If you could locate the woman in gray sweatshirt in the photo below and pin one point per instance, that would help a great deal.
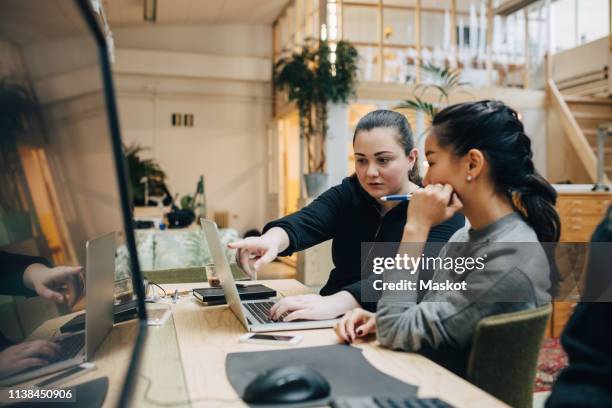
(480, 163)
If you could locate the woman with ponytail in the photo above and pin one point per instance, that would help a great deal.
(480, 163)
(349, 214)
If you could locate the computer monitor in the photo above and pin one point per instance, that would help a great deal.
(63, 176)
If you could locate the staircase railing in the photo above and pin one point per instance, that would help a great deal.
(575, 135)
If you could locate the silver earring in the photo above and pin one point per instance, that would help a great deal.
(469, 178)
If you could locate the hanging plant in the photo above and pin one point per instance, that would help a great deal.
(314, 75)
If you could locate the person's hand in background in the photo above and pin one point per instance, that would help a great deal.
(355, 323)
(62, 284)
(255, 252)
(26, 355)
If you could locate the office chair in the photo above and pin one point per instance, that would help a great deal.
(504, 354)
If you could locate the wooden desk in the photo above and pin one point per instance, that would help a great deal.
(205, 335)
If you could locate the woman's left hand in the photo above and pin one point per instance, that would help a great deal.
(433, 205)
(355, 323)
(305, 307)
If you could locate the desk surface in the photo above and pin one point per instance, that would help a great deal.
(198, 338)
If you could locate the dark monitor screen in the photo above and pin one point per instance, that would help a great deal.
(62, 172)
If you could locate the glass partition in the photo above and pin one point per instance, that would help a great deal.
(60, 188)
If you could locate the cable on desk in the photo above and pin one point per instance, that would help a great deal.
(155, 284)
(185, 402)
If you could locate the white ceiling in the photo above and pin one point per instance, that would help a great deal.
(123, 13)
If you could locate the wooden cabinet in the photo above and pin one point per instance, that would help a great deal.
(580, 214)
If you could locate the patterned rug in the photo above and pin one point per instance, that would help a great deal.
(551, 361)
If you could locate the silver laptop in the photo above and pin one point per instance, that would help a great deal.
(99, 289)
(253, 314)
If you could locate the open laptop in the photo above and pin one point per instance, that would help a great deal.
(253, 314)
(79, 347)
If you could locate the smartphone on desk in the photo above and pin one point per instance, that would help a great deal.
(276, 339)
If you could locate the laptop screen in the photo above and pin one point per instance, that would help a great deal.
(62, 170)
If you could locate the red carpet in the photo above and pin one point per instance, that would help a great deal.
(551, 361)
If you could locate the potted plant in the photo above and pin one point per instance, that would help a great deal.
(16, 219)
(443, 80)
(145, 175)
(315, 75)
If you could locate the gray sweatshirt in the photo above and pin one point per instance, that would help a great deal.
(515, 277)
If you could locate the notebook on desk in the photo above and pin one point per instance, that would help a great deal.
(246, 292)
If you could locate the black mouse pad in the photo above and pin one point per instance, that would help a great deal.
(344, 367)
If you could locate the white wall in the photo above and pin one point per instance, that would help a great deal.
(226, 39)
(534, 121)
(227, 143)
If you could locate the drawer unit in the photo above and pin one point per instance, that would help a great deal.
(580, 214)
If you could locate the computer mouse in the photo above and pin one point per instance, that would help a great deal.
(286, 385)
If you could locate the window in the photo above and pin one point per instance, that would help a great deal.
(592, 20)
(577, 22)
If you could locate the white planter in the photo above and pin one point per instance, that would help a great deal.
(316, 183)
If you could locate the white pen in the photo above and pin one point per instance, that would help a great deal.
(396, 197)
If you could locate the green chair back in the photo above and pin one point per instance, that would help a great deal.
(504, 354)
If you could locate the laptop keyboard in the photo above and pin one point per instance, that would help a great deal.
(388, 402)
(260, 310)
(69, 348)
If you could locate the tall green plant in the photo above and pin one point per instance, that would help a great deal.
(314, 75)
(139, 168)
(443, 80)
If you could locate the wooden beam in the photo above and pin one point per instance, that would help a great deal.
(508, 7)
(453, 34)
(517, 98)
(548, 58)
(341, 19)
(406, 8)
(381, 53)
(526, 69)
(490, 42)
(387, 45)
(323, 18)
(417, 40)
(275, 48)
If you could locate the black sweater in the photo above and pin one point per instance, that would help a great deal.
(347, 214)
(12, 267)
(587, 338)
